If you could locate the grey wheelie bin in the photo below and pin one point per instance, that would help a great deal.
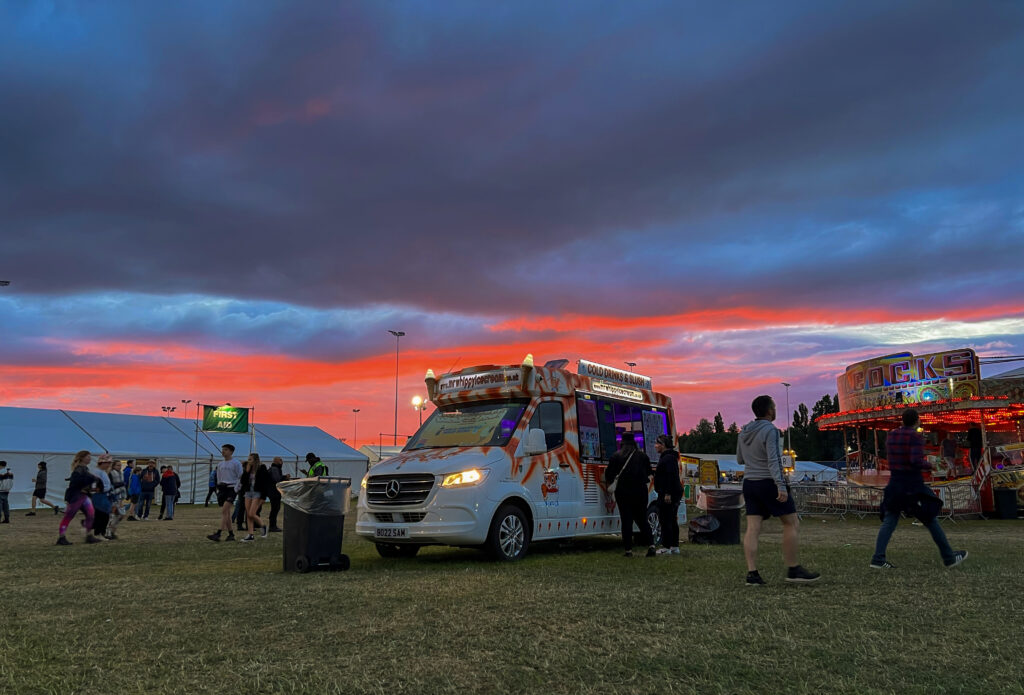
(314, 521)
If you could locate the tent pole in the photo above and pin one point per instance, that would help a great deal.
(195, 456)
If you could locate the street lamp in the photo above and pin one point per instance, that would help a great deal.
(398, 338)
(420, 405)
(789, 416)
(355, 425)
(631, 365)
(168, 409)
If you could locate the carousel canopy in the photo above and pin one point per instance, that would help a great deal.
(998, 414)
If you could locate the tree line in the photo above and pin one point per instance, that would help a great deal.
(809, 443)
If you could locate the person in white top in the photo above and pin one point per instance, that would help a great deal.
(229, 474)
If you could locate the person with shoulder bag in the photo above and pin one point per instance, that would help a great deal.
(627, 476)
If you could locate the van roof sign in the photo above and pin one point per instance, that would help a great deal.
(500, 378)
(618, 376)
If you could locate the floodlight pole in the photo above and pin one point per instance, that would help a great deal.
(398, 337)
(355, 426)
(789, 421)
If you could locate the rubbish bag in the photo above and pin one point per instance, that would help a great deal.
(322, 496)
(701, 529)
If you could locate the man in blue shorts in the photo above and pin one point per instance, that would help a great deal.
(766, 492)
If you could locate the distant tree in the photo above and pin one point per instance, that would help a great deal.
(719, 424)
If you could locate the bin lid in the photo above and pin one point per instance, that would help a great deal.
(321, 496)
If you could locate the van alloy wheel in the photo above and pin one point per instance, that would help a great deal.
(509, 535)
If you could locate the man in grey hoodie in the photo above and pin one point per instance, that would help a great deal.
(766, 492)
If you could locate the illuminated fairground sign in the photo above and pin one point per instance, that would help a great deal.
(906, 378)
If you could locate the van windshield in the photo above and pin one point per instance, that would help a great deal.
(469, 424)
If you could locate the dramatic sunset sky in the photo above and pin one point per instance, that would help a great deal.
(234, 201)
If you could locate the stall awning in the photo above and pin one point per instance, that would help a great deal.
(953, 414)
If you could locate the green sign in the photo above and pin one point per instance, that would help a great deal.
(225, 418)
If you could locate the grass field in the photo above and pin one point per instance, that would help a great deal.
(165, 610)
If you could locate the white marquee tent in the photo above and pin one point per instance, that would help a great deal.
(31, 435)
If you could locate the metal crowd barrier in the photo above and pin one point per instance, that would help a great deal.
(959, 500)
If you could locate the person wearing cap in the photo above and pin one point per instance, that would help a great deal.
(316, 466)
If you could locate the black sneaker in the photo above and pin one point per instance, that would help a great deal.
(30, 513)
(274, 529)
(93, 539)
(754, 579)
(249, 539)
(230, 537)
(629, 553)
(651, 552)
(958, 557)
(264, 531)
(56, 511)
(799, 575)
(214, 536)
(63, 541)
(883, 565)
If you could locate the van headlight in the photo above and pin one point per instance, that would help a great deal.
(471, 477)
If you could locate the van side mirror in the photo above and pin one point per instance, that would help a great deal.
(536, 442)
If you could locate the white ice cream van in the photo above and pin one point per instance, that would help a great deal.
(511, 455)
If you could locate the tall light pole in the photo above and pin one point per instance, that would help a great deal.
(355, 426)
(168, 409)
(789, 416)
(184, 405)
(398, 338)
(420, 405)
(631, 365)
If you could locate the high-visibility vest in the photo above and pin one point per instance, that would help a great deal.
(317, 468)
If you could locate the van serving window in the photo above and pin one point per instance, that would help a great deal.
(603, 421)
(550, 418)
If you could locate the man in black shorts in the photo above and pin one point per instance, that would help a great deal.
(229, 475)
(766, 492)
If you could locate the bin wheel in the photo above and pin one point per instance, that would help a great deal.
(343, 563)
(391, 550)
(302, 564)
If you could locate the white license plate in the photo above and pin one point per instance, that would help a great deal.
(392, 532)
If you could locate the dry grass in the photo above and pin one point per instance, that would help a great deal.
(165, 610)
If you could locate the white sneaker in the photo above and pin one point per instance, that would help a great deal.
(673, 551)
(248, 539)
(664, 551)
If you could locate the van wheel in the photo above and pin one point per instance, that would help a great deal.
(391, 550)
(509, 536)
(655, 522)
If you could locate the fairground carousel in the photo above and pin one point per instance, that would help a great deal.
(972, 428)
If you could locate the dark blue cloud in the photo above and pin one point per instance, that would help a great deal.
(457, 157)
